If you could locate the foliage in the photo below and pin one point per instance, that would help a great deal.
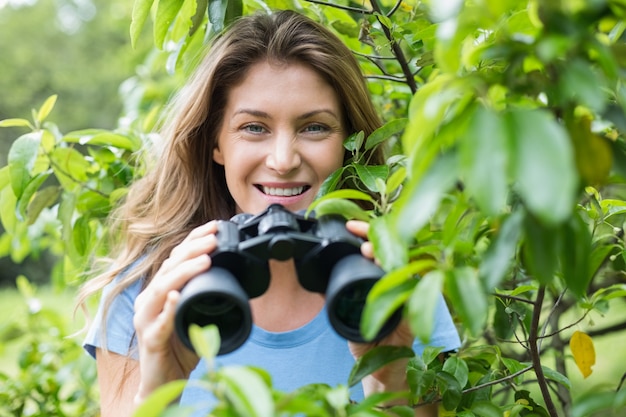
(55, 377)
(505, 191)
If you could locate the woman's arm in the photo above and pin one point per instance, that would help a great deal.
(118, 378)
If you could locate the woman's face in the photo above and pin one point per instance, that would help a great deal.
(281, 136)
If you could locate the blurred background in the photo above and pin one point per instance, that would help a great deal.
(77, 49)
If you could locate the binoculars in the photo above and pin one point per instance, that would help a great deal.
(327, 258)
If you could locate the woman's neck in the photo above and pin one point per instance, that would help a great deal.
(285, 305)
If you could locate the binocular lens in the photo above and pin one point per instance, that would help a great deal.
(350, 303)
(215, 297)
(350, 281)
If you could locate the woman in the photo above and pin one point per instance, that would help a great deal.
(261, 121)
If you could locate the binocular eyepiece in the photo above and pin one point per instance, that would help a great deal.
(327, 257)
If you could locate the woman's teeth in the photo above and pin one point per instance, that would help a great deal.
(283, 192)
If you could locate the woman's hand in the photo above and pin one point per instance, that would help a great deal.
(162, 356)
(393, 376)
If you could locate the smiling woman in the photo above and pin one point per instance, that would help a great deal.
(262, 121)
(270, 143)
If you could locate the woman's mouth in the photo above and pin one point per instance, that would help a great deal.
(283, 191)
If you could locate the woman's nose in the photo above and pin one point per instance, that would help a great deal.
(284, 156)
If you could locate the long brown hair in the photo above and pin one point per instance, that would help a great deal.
(186, 188)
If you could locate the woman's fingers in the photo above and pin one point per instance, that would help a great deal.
(187, 260)
(361, 229)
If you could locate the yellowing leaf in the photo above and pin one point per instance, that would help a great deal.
(583, 351)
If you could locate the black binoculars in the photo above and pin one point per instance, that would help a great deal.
(327, 258)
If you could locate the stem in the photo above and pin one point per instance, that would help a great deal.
(498, 381)
(533, 342)
(397, 51)
(558, 344)
(338, 6)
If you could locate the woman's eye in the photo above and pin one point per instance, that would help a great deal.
(315, 128)
(253, 128)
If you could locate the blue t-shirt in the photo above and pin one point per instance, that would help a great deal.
(313, 353)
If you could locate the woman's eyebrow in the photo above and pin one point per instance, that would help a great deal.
(316, 112)
(253, 112)
(265, 115)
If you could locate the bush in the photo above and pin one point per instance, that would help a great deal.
(54, 377)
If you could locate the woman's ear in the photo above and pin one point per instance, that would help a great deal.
(218, 158)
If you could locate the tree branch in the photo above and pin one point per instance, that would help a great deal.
(535, 354)
(338, 6)
(498, 381)
(397, 51)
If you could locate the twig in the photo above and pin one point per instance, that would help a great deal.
(536, 355)
(545, 325)
(338, 6)
(385, 77)
(513, 298)
(395, 8)
(498, 381)
(397, 51)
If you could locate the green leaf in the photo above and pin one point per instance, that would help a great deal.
(31, 188)
(574, 255)
(450, 390)
(375, 359)
(390, 251)
(66, 215)
(100, 137)
(205, 341)
(197, 19)
(5, 177)
(422, 304)
(428, 109)
(70, 167)
(141, 10)
(247, 391)
(468, 298)
(540, 250)
(222, 12)
(395, 180)
(558, 377)
(47, 107)
(346, 208)
(543, 163)
(165, 14)
(21, 160)
(7, 210)
(484, 154)
(381, 306)
(384, 132)
(354, 141)
(579, 81)
(420, 199)
(500, 255)
(514, 367)
(420, 381)
(160, 399)
(458, 369)
(368, 174)
(44, 198)
(486, 409)
(331, 183)
(15, 123)
(81, 235)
